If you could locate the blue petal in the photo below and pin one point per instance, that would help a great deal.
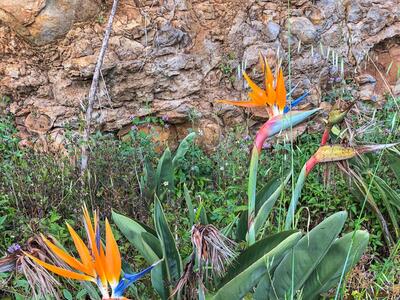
(98, 237)
(295, 102)
(128, 279)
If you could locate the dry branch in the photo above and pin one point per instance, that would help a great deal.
(93, 89)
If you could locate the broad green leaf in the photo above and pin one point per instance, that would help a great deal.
(263, 287)
(153, 242)
(189, 204)
(165, 172)
(133, 232)
(172, 259)
(248, 278)
(295, 198)
(299, 263)
(253, 253)
(183, 148)
(265, 209)
(158, 275)
(268, 189)
(241, 229)
(328, 272)
(148, 182)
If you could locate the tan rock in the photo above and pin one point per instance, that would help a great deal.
(303, 29)
(38, 123)
(175, 58)
(47, 20)
(24, 11)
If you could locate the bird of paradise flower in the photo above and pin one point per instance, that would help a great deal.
(98, 265)
(281, 116)
(274, 99)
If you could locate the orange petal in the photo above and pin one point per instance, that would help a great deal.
(256, 90)
(280, 91)
(239, 103)
(71, 261)
(60, 271)
(98, 265)
(83, 252)
(89, 228)
(102, 257)
(113, 257)
(269, 77)
(271, 95)
(257, 99)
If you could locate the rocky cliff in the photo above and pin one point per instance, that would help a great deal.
(173, 58)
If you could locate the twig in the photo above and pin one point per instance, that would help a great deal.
(93, 89)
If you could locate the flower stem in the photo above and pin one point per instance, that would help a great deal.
(251, 192)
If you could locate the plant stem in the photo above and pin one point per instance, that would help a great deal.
(251, 192)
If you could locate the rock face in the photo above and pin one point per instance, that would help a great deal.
(172, 59)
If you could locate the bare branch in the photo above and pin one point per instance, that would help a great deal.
(93, 89)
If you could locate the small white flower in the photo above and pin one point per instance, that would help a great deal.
(165, 183)
(222, 168)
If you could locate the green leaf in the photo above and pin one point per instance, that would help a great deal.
(268, 189)
(262, 196)
(227, 230)
(244, 281)
(362, 191)
(183, 148)
(253, 253)
(389, 198)
(2, 220)
(148, 182)
(394, 164)
(241, 229)
(189, 204)
(153, 242)
(67, 294)
(81, 294)
(172, 259)
(263, 287)
(18, 296)
(201, 215)
(165, 172)
(158, 278)
(91, 291)
(297, 265)
(391, 194)
(328, 272)
(295, 198)
(265, 209)
(133, 232)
